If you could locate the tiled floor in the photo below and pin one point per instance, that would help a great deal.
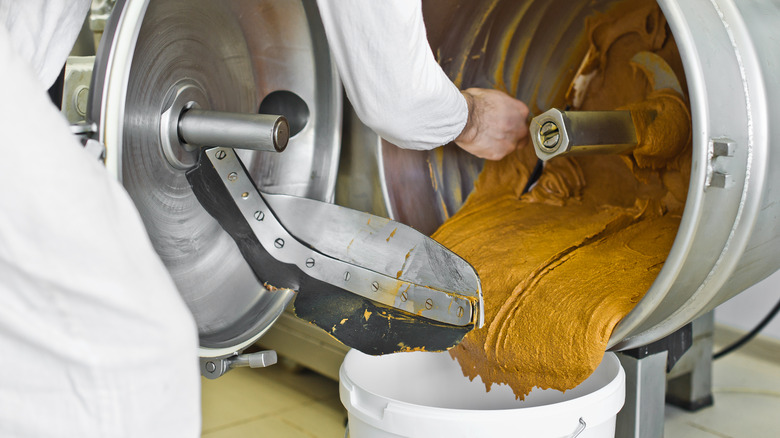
(276, 402)
(272, 402)
(746, 388)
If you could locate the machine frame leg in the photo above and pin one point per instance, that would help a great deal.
(676, 369)
(646, 367)
(689, 384)
(642, 415)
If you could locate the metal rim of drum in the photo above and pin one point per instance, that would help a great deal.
(689, 286)
(108, 97)
(706, 264)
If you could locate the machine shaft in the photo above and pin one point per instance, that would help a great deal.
(556, 133)
(261, 132)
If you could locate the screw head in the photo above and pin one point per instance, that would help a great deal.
(429, 304)
(549, 136)
(232, 176)
(259, 215)
(404, 296)
(220, 155)
(460, 311)
(375, 286)
(310, 262)
(346, 276)
(279, 243)
(211, 367)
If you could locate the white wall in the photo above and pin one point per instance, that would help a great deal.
(748, 308)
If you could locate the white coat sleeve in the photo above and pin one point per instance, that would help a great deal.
(389, 72)
(43, 32)
(96, 340)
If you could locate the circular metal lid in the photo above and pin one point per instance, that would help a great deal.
(229, 56)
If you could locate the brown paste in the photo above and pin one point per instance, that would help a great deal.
(562, 264)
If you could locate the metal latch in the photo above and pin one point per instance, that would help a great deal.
(85, 133)
(213, 367)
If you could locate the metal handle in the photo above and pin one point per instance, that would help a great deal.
(213, 367)
(556, 133)
(261, 132)
(580, 428)
(260, 359)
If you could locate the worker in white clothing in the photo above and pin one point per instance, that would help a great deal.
(95, 339)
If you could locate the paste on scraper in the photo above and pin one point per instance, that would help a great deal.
(562, 264)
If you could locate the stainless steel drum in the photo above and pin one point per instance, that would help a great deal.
(729, 237)
(246, 56)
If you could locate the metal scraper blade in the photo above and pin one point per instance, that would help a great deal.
(373, 284)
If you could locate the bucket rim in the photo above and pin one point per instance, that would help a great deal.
(595, 407)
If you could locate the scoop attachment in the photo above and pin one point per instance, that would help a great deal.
(373, 284)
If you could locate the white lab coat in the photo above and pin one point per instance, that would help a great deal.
(389, 73)
(95, 341)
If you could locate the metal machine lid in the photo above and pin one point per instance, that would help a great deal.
(239, 56)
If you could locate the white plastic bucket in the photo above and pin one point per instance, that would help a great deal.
(425, 395)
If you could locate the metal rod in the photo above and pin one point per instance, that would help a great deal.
(259, 359)
(261, 132)
(556, 133)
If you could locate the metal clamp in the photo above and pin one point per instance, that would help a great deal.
(213, 367)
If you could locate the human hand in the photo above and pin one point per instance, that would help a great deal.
(496, 124)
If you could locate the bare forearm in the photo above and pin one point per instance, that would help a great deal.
(496, 124)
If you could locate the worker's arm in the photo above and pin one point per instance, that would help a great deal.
(102, 343)
(398, 89)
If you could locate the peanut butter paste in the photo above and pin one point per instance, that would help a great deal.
(562, 264)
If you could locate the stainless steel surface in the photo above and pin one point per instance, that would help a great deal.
(181, 96)
(555, 133)
(642, 415)
(231, 55)
(424, 188)
(290, 105)
(364, 254)
(359, 184)
(658, 71)
(257, 132)
(729, 237)
(736, 102)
